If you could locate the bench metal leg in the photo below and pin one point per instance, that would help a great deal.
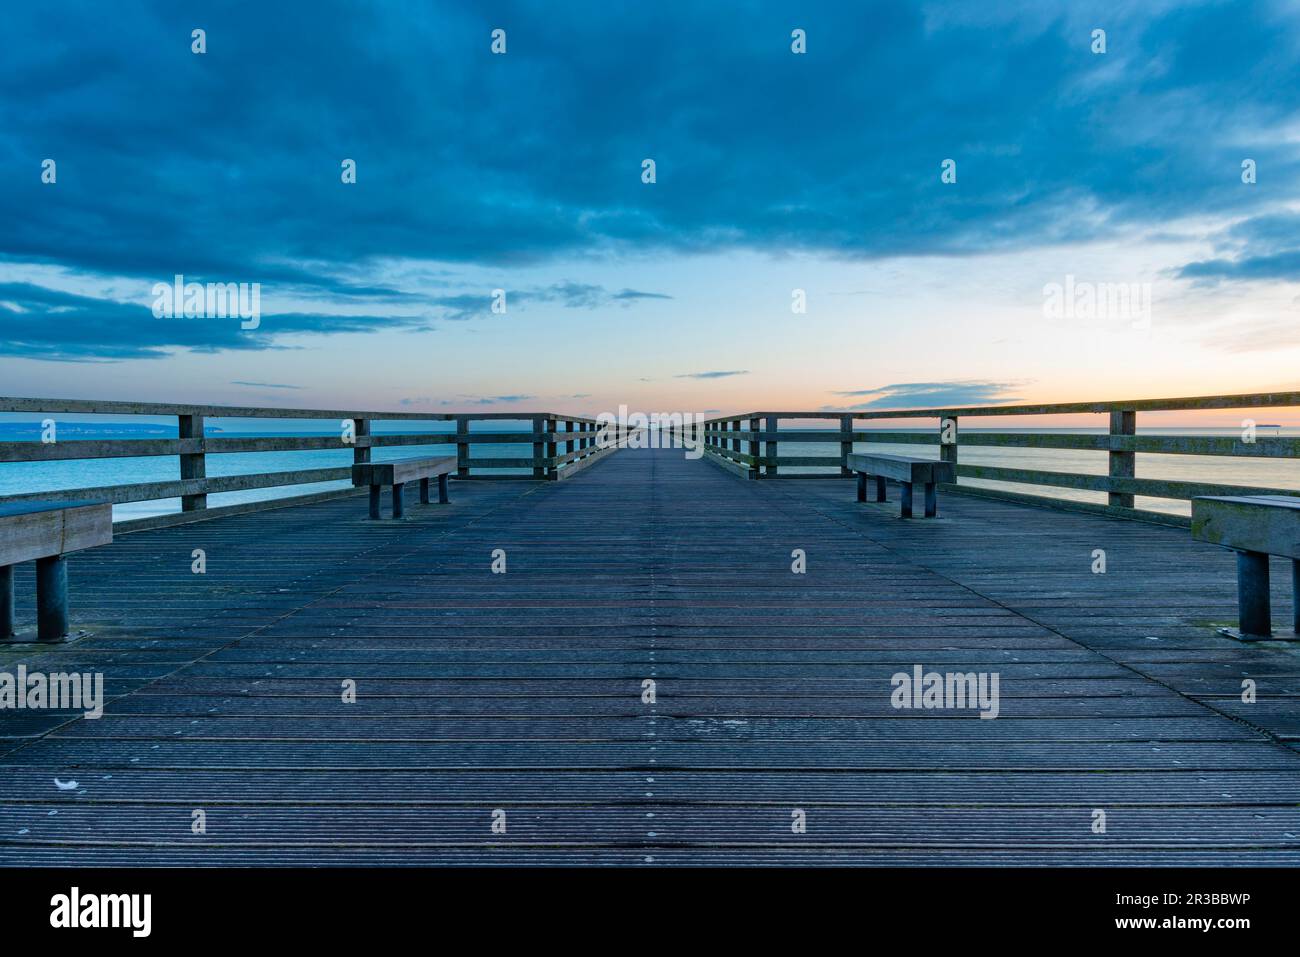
(397, 499)
(374, 502)
(931, 500)
(6, 602)
(51, 598)
(424, 491)
(862, 486)
(1295, 594)
(442, 489)
(880, 488)
(907, 500)
(1252, 595)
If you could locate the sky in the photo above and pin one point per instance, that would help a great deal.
(942, 187)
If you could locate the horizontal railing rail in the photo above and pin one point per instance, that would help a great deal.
(560, 446)
(755, 445)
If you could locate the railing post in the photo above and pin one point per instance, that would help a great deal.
(846, 443)
(539, 448)
(462, 446)
(360, 450)
(551, 470)
(754, 470)
(193, 464)
(769, 447)
(735, 439)
(948, 439)
(1123, 464)
(569, 442)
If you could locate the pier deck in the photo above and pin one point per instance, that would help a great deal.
(523, 691)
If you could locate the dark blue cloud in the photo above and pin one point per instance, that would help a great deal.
(1259, 248)
(41, 323)
(227, 165)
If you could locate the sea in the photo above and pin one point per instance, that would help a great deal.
(23, 477)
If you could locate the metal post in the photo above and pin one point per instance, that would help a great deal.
(880, 488)
(1295, 595)
(1123, 464)
(51, 598)
(907, 500)
(862, 486)
(424, 490)
(6, 602)
(192, 463)
(1252, 595)
(374, 501)
(931, 500)
(397, 499)
(442, 489)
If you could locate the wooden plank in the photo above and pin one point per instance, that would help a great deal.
(902, 468)
(1262, 523)
(402, 470)
(31, 530)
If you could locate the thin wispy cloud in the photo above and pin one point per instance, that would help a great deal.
(721, 374)
(264, 385)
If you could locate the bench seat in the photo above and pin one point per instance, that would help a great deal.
(1255, 527)
(44, 532)
(400, 471)
(906, 471)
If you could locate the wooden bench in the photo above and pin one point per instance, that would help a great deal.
(45, 532)
(1255, 527)
(905, 470)
(400, 471)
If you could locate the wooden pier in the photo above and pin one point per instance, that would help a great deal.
(520, 697)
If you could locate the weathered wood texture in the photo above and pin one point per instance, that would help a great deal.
(901, 468)
(31, 530)
(523, 691)
(1262, 523)
(402, 470)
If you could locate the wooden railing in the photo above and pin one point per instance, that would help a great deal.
(561, 445)
(751, 445)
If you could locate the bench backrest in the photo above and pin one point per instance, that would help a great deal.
(401, 471)
(901, 468)
(1252, 523)
(30, 530)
